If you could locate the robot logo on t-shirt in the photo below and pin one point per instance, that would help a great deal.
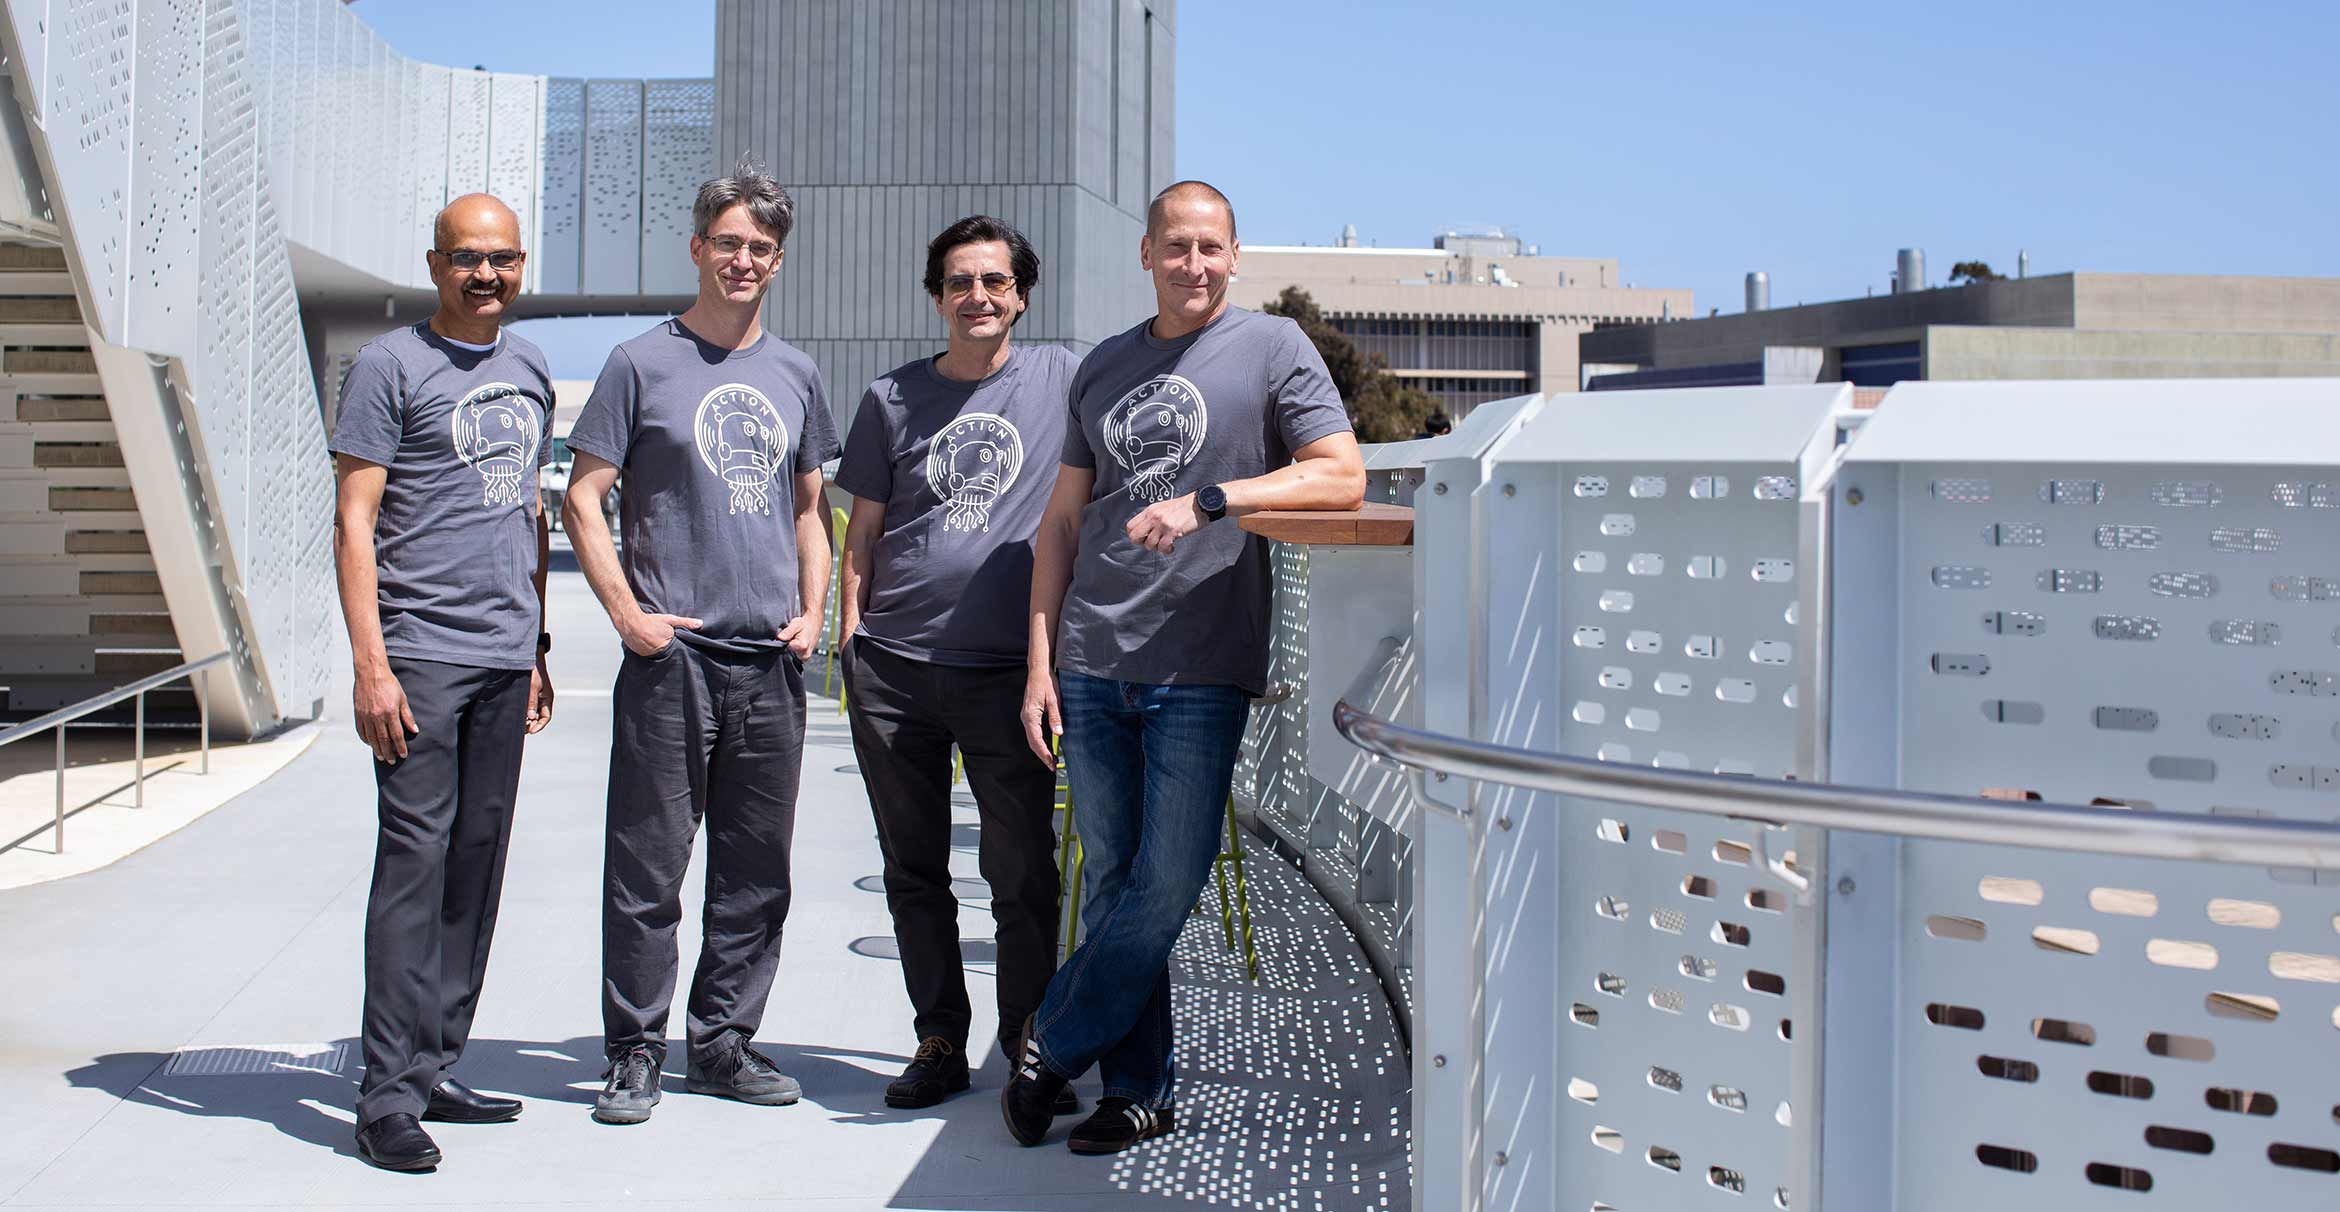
(1154, 432)
(741, 439)
(971, 464)
(496, 429)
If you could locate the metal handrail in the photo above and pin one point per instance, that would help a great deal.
(2109, 831)
(63, 716)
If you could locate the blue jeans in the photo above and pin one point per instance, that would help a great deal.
(1151, 769)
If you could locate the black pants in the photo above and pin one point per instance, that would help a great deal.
(906, 715)
(698, 733)
(446, 819)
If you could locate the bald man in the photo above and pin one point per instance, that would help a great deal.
(440, 544)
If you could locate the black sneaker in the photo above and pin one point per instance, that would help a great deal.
(937, 1072)
(744, 1074)
(1066, 1102)
(1028, 1101)
(631, 1088)
(1119, 1123)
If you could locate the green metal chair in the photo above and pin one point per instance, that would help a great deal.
(831, 641)
(1069, 866)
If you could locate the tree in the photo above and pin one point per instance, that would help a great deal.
(1380, 407)
(1967, 273)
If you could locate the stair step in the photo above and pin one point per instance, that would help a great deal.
(96, 542)
(29, 299)
(80, 520)
(131, 627)
(38, 576)
(52, 409)
(32, 256)
(47, 455)
(62, 614)
(36, 538)
(29, 695)
(53, 384)
(23, 490)
(75, 429)
(95, 583)
(86, 477)
(112, 561)
(52, 336)
(49, 361)
(64, 499)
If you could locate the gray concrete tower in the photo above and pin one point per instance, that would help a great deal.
(889, 121)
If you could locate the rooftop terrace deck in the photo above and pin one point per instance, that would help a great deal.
(241, 931)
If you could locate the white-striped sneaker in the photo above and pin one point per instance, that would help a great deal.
(1119, 1123)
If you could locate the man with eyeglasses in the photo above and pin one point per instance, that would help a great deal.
(720, 431)
(1151, 608)
(950, 460)
(439, 541)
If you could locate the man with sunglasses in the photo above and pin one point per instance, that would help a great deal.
(440, 544)
(950, 461)
(720, 431)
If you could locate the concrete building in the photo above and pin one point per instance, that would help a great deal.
(888, 122)
(2059, 326)
(1476, 317)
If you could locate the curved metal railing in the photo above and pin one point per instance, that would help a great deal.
(2110, 831)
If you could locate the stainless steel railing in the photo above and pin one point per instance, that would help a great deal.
(2109, 831)
(58, 719)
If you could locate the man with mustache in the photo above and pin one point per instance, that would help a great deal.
(720, 431)
(1150, 607)
(950, 460)
(439, 541)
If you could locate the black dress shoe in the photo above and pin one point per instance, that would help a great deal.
(938, 1071)
(455, 1103)
(397, 1142)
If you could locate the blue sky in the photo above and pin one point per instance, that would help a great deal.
(1699, 140)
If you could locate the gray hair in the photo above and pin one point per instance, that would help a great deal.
(750, 186)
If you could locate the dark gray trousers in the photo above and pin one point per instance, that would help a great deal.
(906, 714)
(446, 820)
(698, 733)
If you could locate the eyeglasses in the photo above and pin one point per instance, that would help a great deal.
(958, 285)
(728, 247)
(502, 260)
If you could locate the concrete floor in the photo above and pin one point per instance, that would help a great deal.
(241, 931)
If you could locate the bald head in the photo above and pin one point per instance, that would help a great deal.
(1187, 196)
(477, 217)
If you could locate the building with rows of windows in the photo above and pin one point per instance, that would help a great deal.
(1473, 318)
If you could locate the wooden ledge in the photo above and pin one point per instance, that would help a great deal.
(1376, 525)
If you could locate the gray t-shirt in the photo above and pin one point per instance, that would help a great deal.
(708, 443)
(462, 434)
(1228, 402)
(964, 471)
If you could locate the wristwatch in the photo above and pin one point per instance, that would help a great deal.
(543, 642)
(1212, 501)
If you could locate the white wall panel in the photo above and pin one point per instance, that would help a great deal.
(467, 133)
(515, 127)
(613, 187)
(678, 152)
(160, 303)
(562, 188)
(88, 124)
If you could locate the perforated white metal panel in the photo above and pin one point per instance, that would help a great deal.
(2075, 1031)
(1643, 608)
(88, 125)
(563, 186)
(678, 143)
(613, 187)
(2124, 601)
(161, 302)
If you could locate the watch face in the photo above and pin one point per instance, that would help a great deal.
(1211, 499)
